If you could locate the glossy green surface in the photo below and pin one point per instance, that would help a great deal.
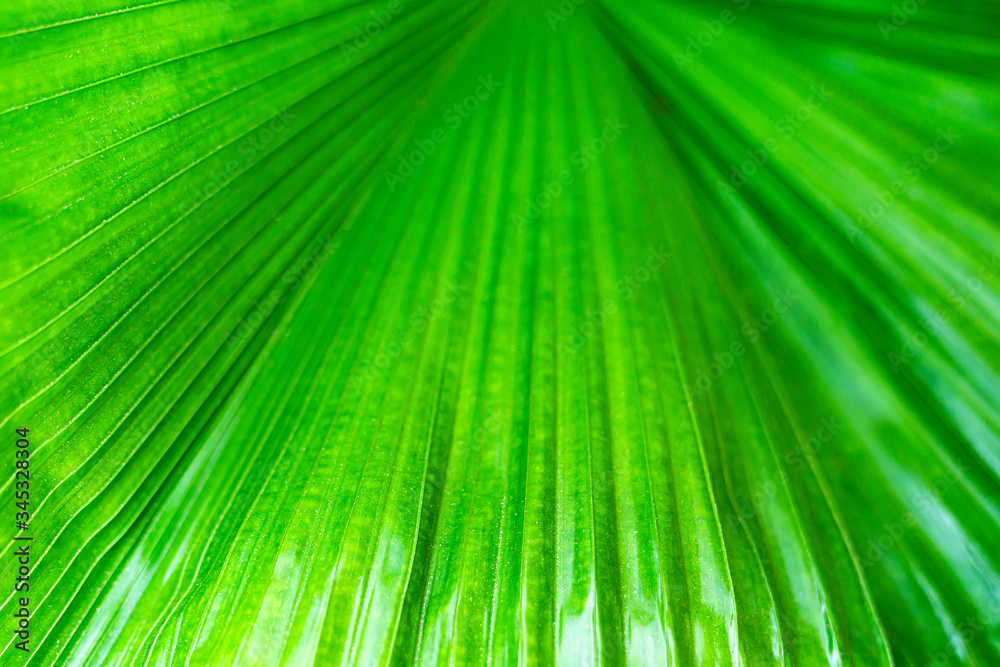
(603, 368)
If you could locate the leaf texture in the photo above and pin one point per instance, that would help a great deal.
(425, 332)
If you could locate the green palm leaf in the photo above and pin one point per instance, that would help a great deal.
(460, 333)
